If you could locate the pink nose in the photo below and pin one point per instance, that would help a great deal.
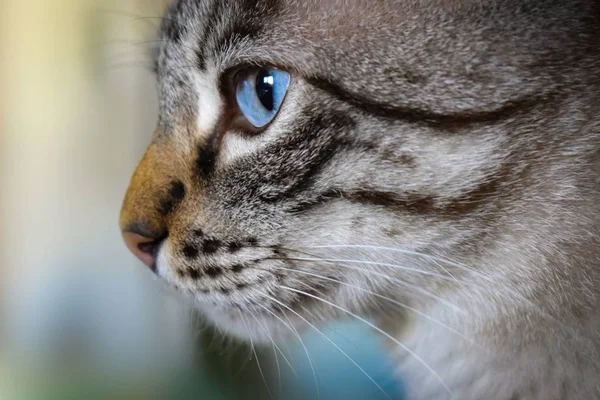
(142, 247)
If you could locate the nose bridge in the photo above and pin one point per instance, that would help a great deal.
(156, 187)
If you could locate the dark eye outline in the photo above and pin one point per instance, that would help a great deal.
(236, 119)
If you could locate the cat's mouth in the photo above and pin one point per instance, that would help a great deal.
(257, 303)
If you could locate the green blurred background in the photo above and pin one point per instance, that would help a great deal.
(79, 316)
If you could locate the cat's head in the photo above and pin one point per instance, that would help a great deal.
(312, 156)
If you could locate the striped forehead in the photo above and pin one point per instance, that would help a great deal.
(199, 42)
(205, 32)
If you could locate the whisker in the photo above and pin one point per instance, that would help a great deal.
(398, 303)
(190, 67)
(133, 64)
(450, 276)
(407, 252)
(275, 348)
(273, 341)
(133, 17)
(245, 364)
(308, 357)
(375, 263)
(156, 41)
(383, 275)
(256, 357)
(293, 331)
(330, 341)
(291, 328)
(212, 337)
(150, 19)
(250, 351)
(446, 271)
(279, 390)
(459, 265)
(381, 331)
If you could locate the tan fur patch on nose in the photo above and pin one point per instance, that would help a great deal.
(159, 184)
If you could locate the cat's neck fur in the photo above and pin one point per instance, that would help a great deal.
(533, 335)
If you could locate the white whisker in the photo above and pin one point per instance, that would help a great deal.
(331, 342)
(256, 356)
(375, 263)
(386, 276)
(250, 352)
(446, 271)
(403, 305)
(486, 277)
(384, 333)
(293, 330)
(282, 353)
(275, 349)
(407, 252)
(278, 368)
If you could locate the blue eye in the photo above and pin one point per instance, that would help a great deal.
(260, 93)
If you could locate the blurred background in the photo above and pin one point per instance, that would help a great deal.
(79, 316)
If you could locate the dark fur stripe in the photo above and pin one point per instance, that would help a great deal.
(171, 27)
(174, 197)
(444, 121)
(302, 178)
(414, 203)
(207, 157)
(214, 17)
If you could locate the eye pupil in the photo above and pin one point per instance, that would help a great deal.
(264, 89)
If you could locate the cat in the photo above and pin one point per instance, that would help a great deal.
(431, 165)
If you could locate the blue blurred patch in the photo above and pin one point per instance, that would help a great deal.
(338, 377)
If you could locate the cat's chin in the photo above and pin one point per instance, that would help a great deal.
(245, 325)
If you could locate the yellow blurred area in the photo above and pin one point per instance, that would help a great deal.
(77, 108)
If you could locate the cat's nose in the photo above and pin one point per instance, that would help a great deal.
(143, 247)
